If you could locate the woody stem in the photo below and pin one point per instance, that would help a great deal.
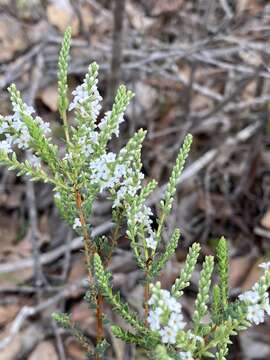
(90, 250)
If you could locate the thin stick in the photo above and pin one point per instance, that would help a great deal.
(117, 48)
(88, 246)
(146, 298)
(90, 250)
(64, 118)
(146, 290)
(100, 331)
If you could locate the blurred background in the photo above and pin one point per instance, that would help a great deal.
(198, 66)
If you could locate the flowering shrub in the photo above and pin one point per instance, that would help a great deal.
(87, 169)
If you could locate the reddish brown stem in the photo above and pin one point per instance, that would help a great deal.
(100, 333)
(90, 250)
(146, 298)
(147, 290)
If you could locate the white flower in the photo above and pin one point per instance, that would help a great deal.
(119, 170)
(153, 299)
(4, 126)
(168, 335)
(176, 321)
(265, 265)
(80, 95)
(165, 294)
(93, 136)
(251, 296)
(195, 337)
(185, 355)
(88, 149)
(173, 305)
(120, 195)
(154, 320)
(265, 303)
(5, 145)
(23, 137)
(57, 196)
(44, 125)
(34, 160)
(77, 223)
(104, 173)
(96, 107)
(266, 308)
(68, 157)
(255, 314)
(28, 110)
(151, 242)
(104, 121)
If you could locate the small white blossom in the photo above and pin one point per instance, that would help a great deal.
(4, 126)
(6, 146)
(194, 337)
(265, 265)
(34, 160)
(57, 196)
(255, 314)
(153, 299)
(185, 355)
(173, 305)
(151, 242)
(103, 172)
(168, 335)
(103, 122)
(81, 95)
(44, 125)
(88, 149)
(176, 321)
(68, 157)
(77, 223)
(93, 136)
(154, 320)
(120, 195)
(250, 296)
(119, 171)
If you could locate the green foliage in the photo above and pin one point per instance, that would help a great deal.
(86, 169)
(166, 203)
(161, 353)
(165, 257)
(183, 280)
(122, 100)
(40, 144)
(103, 283)
(203, 294)
(223, 271)
(65, 322)
(62, 78)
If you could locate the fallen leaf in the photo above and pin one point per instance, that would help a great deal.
(239, 267)
(265, 221)
(253, 276)
(87, 16)
(255, 343)
(161, 6)
(61, 15)
(12, 37)
(44, 351)
(74, 350)
(8, 313)
(11, 351)
(137, 18)
(49, 97)
(82, 314)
